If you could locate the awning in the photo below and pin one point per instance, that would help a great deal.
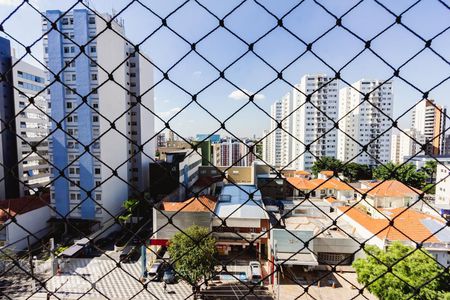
(71, 251)
(299, 259)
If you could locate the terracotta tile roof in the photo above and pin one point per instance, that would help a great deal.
(391, 188)
(302, 172)
(300, 183)
(327, 173)
(331, 200)
(332, 183)
(407, 226)
(201, 204)
(22, 205)
(318, 184)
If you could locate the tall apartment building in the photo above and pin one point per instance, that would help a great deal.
(429, 119)
(365, 123)
(406, 144)
(99, 103)
(313, 120)
(278, 143)
(232, 152)
(24, 147)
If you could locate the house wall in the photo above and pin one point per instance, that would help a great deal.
(33, 221)
(180, 221)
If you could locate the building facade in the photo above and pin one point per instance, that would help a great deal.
(406, 144)
(443, 182)
(99, 103)
(278, 143)
(26, 150)
(232, 152)
(429, 119)
(365, 113)
(315, 103)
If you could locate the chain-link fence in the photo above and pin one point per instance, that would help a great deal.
(332, 184)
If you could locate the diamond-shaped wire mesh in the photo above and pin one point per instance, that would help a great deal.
(344, 195)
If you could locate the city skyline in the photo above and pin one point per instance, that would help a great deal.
(222, 99)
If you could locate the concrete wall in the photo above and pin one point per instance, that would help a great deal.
(181, 220)
(443, 186)
(34, 221)
(112, 104)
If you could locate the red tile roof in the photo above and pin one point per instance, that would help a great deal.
(318, 184)
(201, 204)
(391, 188)
(300, 183)
(407, 224)
(327, 173)
(18, 206)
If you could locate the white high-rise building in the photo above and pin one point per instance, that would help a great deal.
(313, 120)
(231, 152)
(25, 150)
(366, 123)
(405, 145)
(279, 142)
(103, 102)
(429, 119)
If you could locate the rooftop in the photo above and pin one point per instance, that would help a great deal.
(390, 188)
(201, 204)
(19, 206)
(408, 225)
(235, 202)
(319, 184)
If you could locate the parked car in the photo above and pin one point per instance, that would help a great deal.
(169, 276)
(154, 272)
(255, 271)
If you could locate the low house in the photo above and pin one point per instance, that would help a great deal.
(241, 220)
(322, 188)
(408, 226)
(30, 214)
(325, 174)
(387, 194)
(172, 217)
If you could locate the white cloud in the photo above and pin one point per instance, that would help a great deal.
(16, 2)
(166, 114)
(240, 95)
(10, 2)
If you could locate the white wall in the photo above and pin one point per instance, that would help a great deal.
(34, 221)
(443, 186)
(146, 120)
(112, 103)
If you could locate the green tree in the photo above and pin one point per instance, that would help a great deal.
(192, 252)
(405, 173)
(414, 272)
(130, 206)
(430, 169)
(354, 172)
(326, 163)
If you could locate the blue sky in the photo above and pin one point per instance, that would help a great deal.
(278, 48)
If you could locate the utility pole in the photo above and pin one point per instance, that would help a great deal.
(30, 258)
(52, 256)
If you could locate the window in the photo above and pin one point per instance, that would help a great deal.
(95, 119)
(91, 20)
(93, 49)
(93, 76)
(68, 105)
(97, 171)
